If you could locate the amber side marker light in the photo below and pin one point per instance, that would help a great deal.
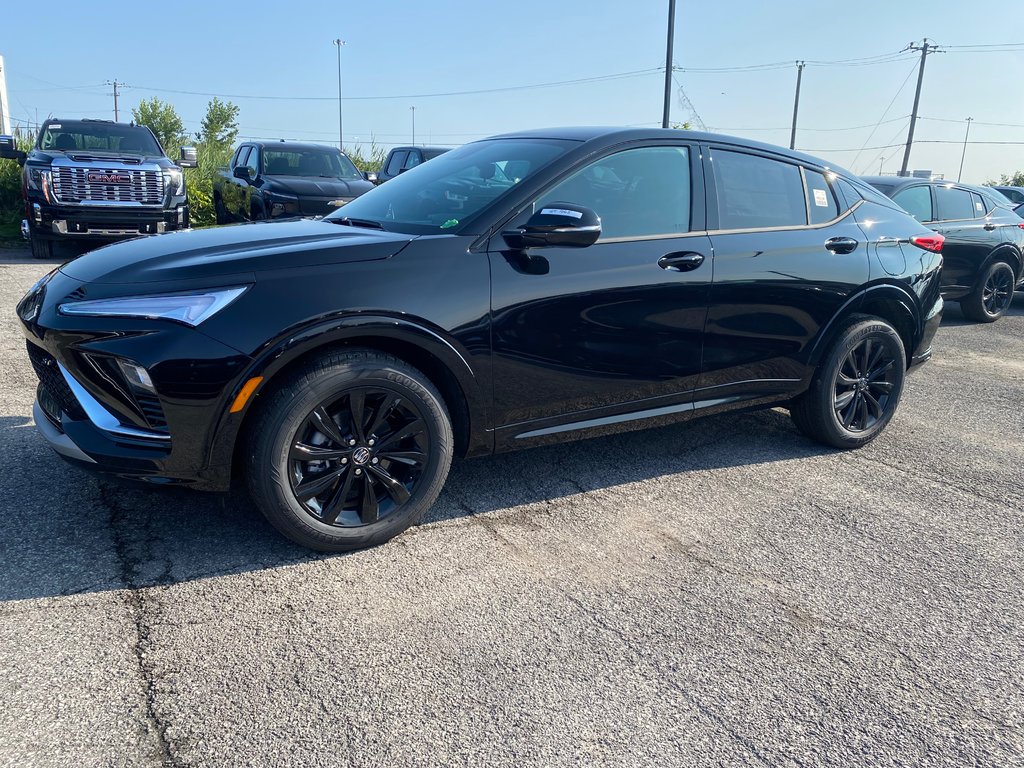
(243, 397)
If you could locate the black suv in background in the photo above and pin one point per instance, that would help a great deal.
(278, 179)
(982, 255)
(517, 291)
(98, 180)
(401, 159)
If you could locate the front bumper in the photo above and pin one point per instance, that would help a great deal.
(100, 222)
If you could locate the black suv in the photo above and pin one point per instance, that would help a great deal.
(984, 240)
(517, 291)
(402, 159)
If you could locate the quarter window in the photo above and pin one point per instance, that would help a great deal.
(917, 201)
(952, 203)
(637, 193)
(820, 200)
(756, 192)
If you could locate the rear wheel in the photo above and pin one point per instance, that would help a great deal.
(41, 248)
(992, 295)
(856, 388)
(350, 451)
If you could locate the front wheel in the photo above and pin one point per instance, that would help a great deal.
(41, 248)
(350, 451)
(856, 388)
(992, 295)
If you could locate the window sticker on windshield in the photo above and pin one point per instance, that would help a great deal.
(561, 212)
(55, 126)
(820, 198)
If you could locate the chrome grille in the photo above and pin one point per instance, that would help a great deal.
(72, 185)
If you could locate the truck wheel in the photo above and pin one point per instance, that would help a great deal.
(257, 213)
(219, 212)
(856, 388)
(41, 248)
(992, 295)
(350, 451)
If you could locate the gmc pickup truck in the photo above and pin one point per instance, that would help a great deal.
(279, 179)
(98, 180)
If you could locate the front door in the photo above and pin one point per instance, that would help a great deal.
(581, 335)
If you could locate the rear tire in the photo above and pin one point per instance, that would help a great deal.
(856, 388)
(992, 295)
(41, 248)
(333, 481)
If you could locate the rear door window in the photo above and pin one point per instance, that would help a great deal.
(757, 192)
(413, 161)
(395, 164)
(917, 201)
(821, 201)
(952, 204)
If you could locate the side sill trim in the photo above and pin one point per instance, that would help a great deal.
(606, 420)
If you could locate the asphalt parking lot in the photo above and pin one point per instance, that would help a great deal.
(719, 593)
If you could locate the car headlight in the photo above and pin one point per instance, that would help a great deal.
(190, 308)
(174, 181)
(36, 177)
(281, 203)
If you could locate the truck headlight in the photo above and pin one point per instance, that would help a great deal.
(174, 181)
(190, 308)
(281, 204)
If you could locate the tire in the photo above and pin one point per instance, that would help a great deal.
(992, 295)
(219, 212)
(291, 453)
(256, 213)
(41, 248)
(857, 387)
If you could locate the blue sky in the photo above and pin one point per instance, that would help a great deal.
(411, 49)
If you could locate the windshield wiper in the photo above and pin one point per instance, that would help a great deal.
(350, 222)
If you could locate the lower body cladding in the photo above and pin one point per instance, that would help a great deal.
(67, 222)
(101, 407)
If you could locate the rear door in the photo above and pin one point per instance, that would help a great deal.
(970, 237)
(788, 256)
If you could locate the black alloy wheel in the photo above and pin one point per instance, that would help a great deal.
(357, 458)
(864, 385)
(992, 295)
(349, 450)
(857, 386)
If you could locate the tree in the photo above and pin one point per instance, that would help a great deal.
(162, 120)
(220, 126)
(1008, 180)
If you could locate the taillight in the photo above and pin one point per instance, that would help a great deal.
(931, 242)
(1021, 225)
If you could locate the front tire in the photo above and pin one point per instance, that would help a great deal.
(992, 295)
(41, 248)
(350, 451)
(856, 388)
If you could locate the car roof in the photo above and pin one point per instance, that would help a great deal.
(290, 145)
(609, 135)
(423, 148)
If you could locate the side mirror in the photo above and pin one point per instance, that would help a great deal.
(189, 157)
(370, 176)
(242, 172)
(9, 150)
(562, 225)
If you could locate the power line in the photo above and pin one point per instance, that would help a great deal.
(893, 101)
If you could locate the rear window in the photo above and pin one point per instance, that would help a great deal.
(756, 192)
(952, 204)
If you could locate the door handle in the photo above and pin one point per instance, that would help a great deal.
(681, 262)
(989, 226)
(841, 244)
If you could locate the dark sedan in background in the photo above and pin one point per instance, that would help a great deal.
(517, 291)
(271, 180)
(982, 255)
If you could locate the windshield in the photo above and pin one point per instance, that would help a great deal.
(309, 162)
(99, 137)
(439, 195)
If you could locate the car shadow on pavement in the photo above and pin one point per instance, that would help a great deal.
(953, 316)
(69, 531)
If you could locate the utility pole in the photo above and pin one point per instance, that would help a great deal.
(341, 129)
(115, 84)
(964, 153)
(925, 49)
(413, 110)
(668, 62)
(5, 105)
(796, 102)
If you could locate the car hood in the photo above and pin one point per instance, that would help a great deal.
(317, 186)
(233, 250)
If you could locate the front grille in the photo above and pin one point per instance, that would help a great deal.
(72, 185)
(315, 207)
(52, 380)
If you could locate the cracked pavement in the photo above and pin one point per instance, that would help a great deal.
(719, 593)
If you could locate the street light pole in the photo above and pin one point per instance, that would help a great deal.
(964, 153)
(413, 110)
(341, 130)
(668, 63)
